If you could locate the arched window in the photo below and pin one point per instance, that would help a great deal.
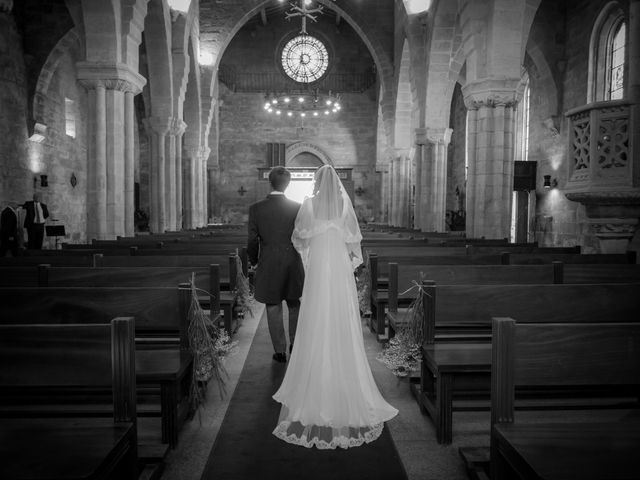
(608, 54)
(616, 62)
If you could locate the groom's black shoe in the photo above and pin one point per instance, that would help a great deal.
(280, 357)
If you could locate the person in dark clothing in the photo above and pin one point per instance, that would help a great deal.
(36, 214)
(279, 273)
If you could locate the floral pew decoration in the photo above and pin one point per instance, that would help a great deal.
(402, 354)
(209, 345)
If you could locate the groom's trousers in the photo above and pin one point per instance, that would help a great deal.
(276, 324)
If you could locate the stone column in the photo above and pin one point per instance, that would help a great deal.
(170, 179)
(178, 129)
(439, 139)
(190, 163)
(157, 129)
(491, 105)
(129, 165)
(204, 181)
(420, 180)
(110, 164)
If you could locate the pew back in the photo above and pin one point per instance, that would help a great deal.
(453, 306)
(158, 311)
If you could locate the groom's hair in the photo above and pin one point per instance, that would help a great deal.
(279, 178)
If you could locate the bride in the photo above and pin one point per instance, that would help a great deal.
(329, 397)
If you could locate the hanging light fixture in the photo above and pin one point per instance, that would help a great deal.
(304, 60)
(302, 103)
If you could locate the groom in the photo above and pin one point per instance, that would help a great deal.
(279, 272)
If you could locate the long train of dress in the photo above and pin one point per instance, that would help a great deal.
(329, 397)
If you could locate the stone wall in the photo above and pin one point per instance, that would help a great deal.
(58, 156)
(557, 62)
(349, 139)
(245, 130)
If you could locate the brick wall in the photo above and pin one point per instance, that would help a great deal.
(349, 139)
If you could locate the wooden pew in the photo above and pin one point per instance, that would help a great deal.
(457, 320)
(600, 273)
(405, 279)
(567, 258)
(227, 277)
(46, 445)
(547, 356)
(60, 260)
(161, 325)
(379, 275)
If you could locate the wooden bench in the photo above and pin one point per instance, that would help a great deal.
(405, 279)
(379, 276)
(567, 258)
(161, 326)
(456, 351)
(81, 446)
(547, 356)
(59, 260)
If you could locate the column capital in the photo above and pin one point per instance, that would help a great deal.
(204, 152)
(491, 92)
(420, 136)
(439, 135)
(177, 126)
(118, 76)
(158, 125)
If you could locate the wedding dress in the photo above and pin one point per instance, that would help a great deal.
(329, 397)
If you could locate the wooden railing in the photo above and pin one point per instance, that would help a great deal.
(599, 148)
(275, 82)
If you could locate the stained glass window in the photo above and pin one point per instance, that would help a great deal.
(305, 59)
(616, 72)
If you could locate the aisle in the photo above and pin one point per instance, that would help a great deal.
(245, 449)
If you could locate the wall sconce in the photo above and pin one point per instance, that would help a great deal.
(359, 191)
(548, 183)
(241, 191)
(44, 181)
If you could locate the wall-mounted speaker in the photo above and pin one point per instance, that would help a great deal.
(524, 176)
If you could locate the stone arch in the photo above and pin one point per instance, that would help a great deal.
(157, 38)
(192, 103)
(302, 147)
(69, 43)
(237, 14)
(402, 129)
(102, 29)
(447, 57)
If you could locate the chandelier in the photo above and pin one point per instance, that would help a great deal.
(303, 104)
(304, 59)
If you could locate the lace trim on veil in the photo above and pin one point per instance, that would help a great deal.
(326, 438)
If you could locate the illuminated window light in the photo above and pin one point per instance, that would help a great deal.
(326, 112)
(287, 99)
(315, 114)
(205, 58)
(278, 112)
(301, 99)
(289, 114)
(302, 114)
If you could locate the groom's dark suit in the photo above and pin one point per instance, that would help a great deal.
(280, 274)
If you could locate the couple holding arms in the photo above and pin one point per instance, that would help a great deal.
(305, 255)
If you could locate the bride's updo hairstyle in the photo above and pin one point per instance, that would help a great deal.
(327, 194)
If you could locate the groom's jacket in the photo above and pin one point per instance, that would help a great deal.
(279, 274)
